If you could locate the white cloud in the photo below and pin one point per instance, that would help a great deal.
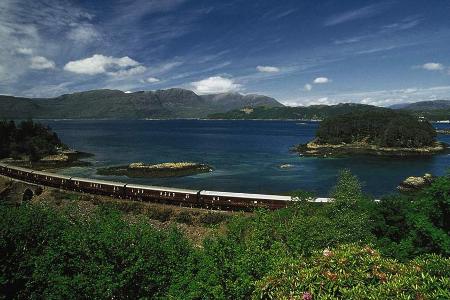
(84, 33)
(128, 72)
(360, 13)
(152, 80)
(128, 92)
(378, 98)
(432, 66)
(25, 51)
(308, 87)
(321, 80)
(98, 64)
(215, 84)
(41, 63)
(267, 69)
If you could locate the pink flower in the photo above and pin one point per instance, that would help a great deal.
(307, 296)
(327, 253)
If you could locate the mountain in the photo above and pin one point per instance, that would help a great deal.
(115, 104)
(432, 110)
(423, 105)
(317, 112)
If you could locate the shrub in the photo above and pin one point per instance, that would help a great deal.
(184, 217)
(212, 218)
(160, 214)
(355, 272)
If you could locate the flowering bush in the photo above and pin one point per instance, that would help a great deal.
(357, 272)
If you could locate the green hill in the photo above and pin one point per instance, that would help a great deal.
(115, 104)
(313, 112)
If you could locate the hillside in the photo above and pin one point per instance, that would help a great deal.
(423, 105)
(432, 110)
(313, 112)
(115, 104)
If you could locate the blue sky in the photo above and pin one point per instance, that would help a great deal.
(300, 52)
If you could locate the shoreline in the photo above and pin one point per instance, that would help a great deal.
(313, 149)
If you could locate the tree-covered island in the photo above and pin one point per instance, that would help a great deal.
(377, 132)
(35, 145)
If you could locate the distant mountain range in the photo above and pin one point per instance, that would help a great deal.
(433, 110)
(423, 105)
(115, 104)
(313, 112)
(182, 103)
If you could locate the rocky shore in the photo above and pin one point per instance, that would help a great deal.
(63, 159)
(443, 131)
(169, 169)
(316, 149)
(413, 184)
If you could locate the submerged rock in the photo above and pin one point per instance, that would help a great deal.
(286, 166)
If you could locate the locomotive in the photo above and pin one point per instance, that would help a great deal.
(166, 195)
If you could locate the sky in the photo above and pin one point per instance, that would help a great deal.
(299, 52)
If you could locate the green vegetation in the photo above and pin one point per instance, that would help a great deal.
(115, 104)
(313, 112)
(27, 138)
(384, 128)
(169, 169)
(353, 248)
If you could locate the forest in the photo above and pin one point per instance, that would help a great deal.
(352, 248)
(27, 138)
(384, 128)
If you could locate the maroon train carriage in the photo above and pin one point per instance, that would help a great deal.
(243, 201)
(3, 169)
(18, 172)
(50, 179)
(100, 187)
(168, 195)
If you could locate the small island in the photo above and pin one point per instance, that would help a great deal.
(169, 169)
(374, 132)
(33, 145)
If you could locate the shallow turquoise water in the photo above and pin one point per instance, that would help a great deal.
(246, 155)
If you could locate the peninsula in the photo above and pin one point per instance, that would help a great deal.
(36, 146)
(376, 132)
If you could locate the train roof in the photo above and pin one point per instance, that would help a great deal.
(18, 168)
(160, 188)
(51, 174)
(245, 195)
(98, 181)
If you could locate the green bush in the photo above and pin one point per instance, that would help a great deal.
(49, 255)
(160, 214)
(355, 272)
(184, 217)
(212, 218)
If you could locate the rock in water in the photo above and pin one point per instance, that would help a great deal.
(412, 183)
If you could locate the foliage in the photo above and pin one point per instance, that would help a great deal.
(356, 272)
(386, 128)
(49, 255)
(308, 249)
(313, 112)
(411, 225)
(27, 138)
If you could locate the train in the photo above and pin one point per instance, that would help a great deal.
(166, 195)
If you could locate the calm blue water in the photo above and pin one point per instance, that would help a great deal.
(246, 155)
